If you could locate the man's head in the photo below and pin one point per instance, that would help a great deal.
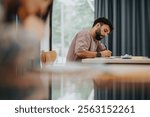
(103, 28)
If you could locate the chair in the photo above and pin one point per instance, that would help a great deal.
(48, 57)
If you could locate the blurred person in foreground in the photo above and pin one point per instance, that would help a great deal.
(19, 46)
(86, 43)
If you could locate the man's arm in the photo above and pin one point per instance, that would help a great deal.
(89, 54)
(86, 54)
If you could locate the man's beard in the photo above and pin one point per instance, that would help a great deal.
(99, 35)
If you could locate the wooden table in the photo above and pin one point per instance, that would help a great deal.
(117, 60)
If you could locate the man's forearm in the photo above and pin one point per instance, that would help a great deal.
(86, 54)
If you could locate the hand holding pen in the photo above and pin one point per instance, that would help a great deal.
(105, 52)
(103, 47)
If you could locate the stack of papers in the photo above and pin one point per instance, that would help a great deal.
(126, 56)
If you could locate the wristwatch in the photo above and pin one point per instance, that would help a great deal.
(98, 54)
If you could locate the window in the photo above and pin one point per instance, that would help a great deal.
(69, 17)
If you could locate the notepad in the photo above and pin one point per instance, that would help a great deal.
(126, 56)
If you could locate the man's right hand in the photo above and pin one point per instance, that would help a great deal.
(106, 53)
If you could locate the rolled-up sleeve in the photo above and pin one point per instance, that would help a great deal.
(82, 43)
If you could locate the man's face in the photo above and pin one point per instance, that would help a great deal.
(102, 31)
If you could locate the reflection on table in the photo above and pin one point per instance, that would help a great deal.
(123, 82)
(70, 81)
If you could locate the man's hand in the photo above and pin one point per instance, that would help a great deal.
(106, 53)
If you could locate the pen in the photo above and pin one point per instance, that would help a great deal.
(105, 46)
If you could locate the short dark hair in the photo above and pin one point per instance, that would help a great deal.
(104, 21)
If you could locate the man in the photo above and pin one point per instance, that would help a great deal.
(86, 42)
